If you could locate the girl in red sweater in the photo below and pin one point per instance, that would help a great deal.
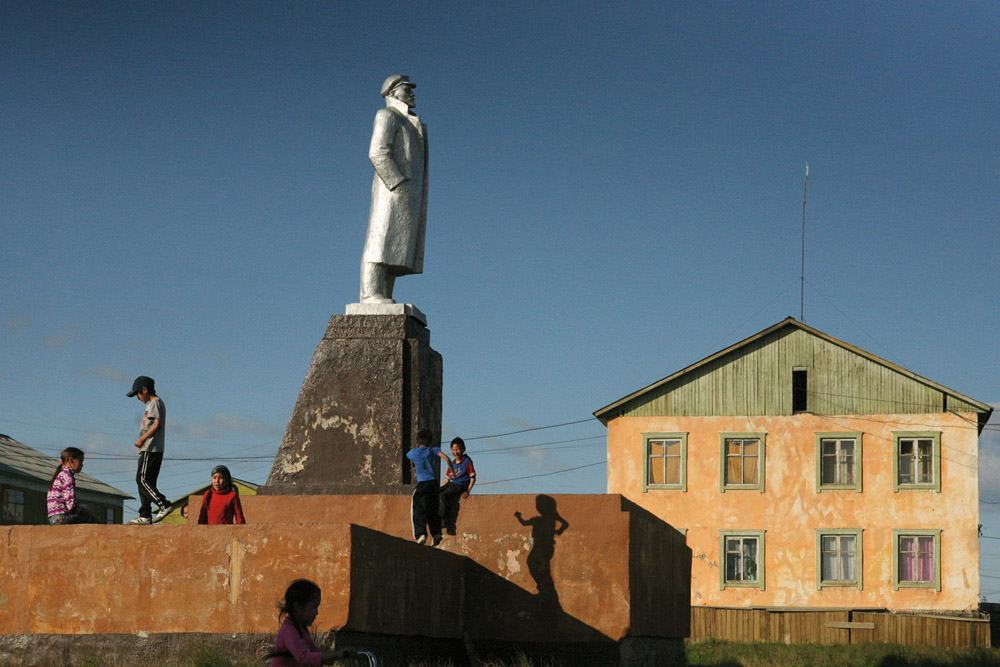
(221, 503)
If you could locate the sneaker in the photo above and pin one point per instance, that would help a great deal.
(437, 540)
(421, 539)
(164, 511)
(140, 521)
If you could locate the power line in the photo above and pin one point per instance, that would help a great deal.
(528, 430)
(545, 474)
(888, 354)
(90, 431)
(260, 445)
(122, 457)
(540, 444)
(759, 311)
(892, 401)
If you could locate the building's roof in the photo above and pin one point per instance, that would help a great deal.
(18, 459)
(789, 324)
(241, 483)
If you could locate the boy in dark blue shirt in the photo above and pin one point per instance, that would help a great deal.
(461, 479)
(424, 507)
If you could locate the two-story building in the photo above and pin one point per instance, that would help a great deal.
(807, 472)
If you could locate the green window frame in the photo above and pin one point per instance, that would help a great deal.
(916, 460)
(830, 456)
(830, 549)
(736, 456)
(919, 546)
(662, 455)
(741, 554)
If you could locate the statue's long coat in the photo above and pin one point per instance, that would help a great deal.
(398, 215)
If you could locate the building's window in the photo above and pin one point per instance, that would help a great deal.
(742, 553)
(838, 461)
(799, 384)
(109, 515)
(838, 557)
(917, 460)
(13, 505)
(666, 461)
(742, 461)
(916, 559)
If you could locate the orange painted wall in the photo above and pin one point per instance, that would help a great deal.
(191, 578)
(127, 579)
(590, 565)
(790, 509)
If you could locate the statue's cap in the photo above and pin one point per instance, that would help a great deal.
(396, 80)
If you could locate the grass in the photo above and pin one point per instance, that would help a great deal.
(729, 654)
(209, 657)
(712, 653)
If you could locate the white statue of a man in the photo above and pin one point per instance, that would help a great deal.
(398, 216)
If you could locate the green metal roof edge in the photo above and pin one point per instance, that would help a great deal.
(984, 412)
(200, 492)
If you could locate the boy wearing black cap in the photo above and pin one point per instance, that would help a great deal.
(150, 445)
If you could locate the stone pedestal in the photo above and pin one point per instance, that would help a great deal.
(373, 383)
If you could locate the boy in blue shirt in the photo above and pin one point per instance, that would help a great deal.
(424, 507)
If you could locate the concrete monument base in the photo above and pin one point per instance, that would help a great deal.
(373, 383)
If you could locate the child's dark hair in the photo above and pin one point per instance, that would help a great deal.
(460, 443)
(68, 454)
(424, 436)
(300, 592)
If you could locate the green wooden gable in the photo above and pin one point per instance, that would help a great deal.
(755, 377)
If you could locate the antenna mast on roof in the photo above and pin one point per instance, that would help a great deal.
(802, 276)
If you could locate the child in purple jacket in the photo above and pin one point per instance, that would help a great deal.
(61, 500)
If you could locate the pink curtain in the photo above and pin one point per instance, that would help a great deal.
(916, 559)
(907, 563)
(925, 558)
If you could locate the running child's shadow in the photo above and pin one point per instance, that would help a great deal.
(544, 529)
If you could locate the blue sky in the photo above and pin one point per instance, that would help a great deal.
(615, 193)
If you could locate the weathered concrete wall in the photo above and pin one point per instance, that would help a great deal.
(589, 564)
(791, 509)
(374, 381)
(401, 588)
(375, 579)
(660, 585)
(127, 579)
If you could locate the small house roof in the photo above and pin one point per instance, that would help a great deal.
(610, 411)
(16, 458)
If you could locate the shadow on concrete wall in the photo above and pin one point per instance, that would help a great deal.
(405, 589)
(544, 529)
